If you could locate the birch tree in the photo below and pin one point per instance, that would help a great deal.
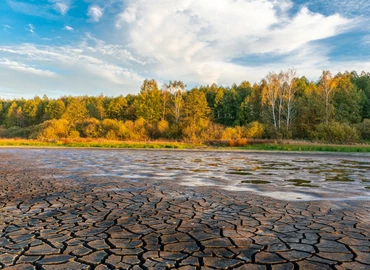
(177, 90)
(270, 93)
(327, 85)
(291, 91)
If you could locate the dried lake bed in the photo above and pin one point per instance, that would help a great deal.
(136, 209)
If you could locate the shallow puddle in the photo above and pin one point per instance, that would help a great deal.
(284, 176)
(240, 173)
(256, 182)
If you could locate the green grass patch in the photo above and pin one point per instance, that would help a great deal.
(308, 148)
(99, 144)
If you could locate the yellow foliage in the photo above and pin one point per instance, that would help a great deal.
(162, 127)
(232, 133)
(254, 130)
(111, 135)
(54, 129)
(74, 134)
(140, 129)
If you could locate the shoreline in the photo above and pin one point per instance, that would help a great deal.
(268, 146)
(194, 150)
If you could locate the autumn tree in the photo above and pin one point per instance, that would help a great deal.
(279, 96)
(14, 116)
(166, 98)
(76, 110)
(54, 109)
(116, 108)
(96, 107)
(30, 111)
(177, 91)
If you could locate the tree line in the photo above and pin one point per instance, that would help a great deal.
(335, 109)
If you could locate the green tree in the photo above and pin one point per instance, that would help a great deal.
(149, 102)
(309, 108)
(251, 107)
(362, 83)
(131, 109)
(346, 100)
(229, 107)
(1, 113)
(96, 107)
(14, 116)
(196, 115)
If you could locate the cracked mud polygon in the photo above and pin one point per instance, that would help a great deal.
(130, 209)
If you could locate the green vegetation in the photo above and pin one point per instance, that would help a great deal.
(308, 147)
(301, 183)
(256, 182)
(333, 110)
(99, 144)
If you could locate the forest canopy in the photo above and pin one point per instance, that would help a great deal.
(335, 109)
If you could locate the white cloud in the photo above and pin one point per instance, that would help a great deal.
(7, 27)
(61, 6)
(89, 68)
(25, 68)
(30, 28)
(118, 52)
(195, 41)
(198, 40)
(68, 28)
(95, 13)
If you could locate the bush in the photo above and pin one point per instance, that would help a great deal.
(239, 142)
(214, 131)
(114, 129)
(335, 132)
(74, 134)
(232, 133)
(162, 128)
(54, 129)
(88, 128)
(254, 130)
(364, 129)
(19, 132)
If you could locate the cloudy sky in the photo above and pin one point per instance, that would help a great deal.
(78, 47)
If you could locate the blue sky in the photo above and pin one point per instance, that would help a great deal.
(78, 47)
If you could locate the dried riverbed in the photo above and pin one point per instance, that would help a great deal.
(131, 209)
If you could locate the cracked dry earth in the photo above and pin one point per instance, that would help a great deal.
(55, 214)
